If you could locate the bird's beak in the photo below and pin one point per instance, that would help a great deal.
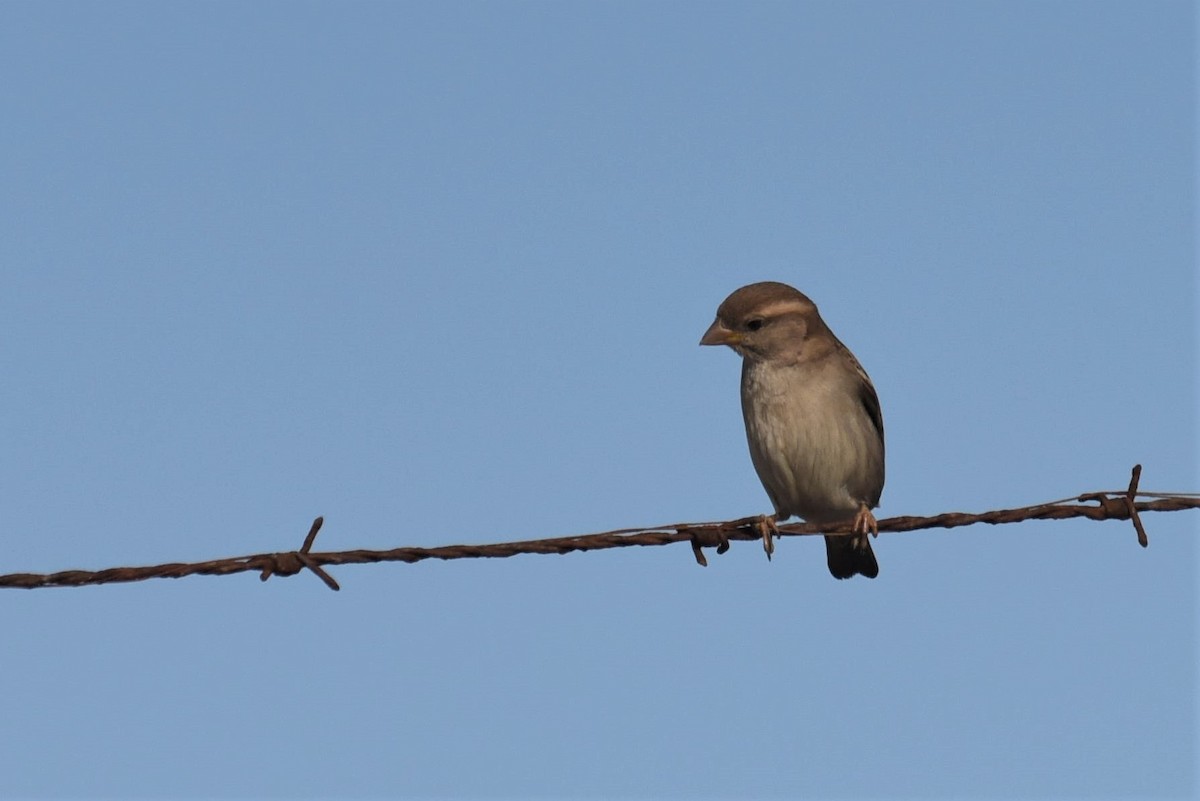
(718, 334)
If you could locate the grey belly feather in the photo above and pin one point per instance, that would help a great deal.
(818, 457)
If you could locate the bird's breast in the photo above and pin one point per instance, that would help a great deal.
(812, 442)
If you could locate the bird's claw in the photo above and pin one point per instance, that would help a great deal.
(769, 531)
(865, 523)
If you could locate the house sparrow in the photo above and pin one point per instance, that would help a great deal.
(812, 418)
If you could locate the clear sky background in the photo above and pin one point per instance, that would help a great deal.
(438, 272)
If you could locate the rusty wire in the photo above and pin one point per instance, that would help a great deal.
(1106, 505)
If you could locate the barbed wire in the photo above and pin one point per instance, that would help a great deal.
(1102, 505)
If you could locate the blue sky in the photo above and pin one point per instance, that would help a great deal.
(437, 272)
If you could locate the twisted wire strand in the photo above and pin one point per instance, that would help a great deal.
(1107, 505)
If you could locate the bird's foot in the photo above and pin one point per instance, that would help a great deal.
(865, 523)
(769, 531)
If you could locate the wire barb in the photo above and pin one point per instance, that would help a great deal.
(1131, 504)
(705, 536)
(1121, 505)
(292, 562)
(1124, 505)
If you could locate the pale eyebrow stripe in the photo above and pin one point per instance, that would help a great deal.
(781, 307)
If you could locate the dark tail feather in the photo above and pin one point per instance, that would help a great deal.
(849, 555)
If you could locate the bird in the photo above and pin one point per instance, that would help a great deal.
(813, 420)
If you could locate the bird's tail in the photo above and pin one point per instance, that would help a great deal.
(850, 554)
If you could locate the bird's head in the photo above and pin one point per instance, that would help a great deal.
(768, 321)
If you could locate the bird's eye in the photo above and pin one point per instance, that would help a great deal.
(755, 324)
